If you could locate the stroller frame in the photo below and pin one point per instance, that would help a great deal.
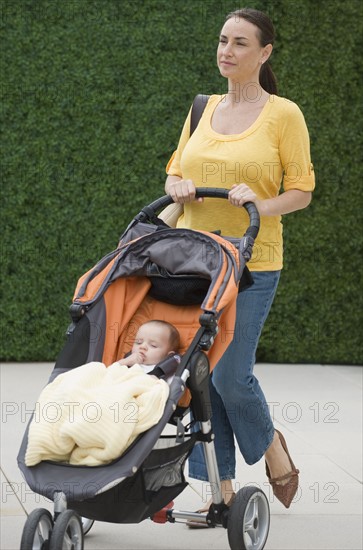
(247, 519)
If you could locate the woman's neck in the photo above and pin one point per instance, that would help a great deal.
(245, 92)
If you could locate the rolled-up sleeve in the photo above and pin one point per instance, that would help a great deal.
(294, 147)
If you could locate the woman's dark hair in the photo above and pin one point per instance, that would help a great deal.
(266, 36)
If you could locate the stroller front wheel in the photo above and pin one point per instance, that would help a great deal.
(37, 530)
(248, 520)
(67, 532)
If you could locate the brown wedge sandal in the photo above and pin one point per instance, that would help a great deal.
(284, 493)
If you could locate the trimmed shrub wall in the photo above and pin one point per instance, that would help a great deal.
(94, 95)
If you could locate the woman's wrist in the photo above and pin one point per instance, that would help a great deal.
(169, 181)
(289, 201)
(262, 207)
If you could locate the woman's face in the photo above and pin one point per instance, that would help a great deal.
(239, 53)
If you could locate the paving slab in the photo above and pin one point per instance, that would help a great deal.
(319, 410)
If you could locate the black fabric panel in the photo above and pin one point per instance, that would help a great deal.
(127, 503)
(180, 291)
(75, 352)
(246, 280)
(131, 501)
(124, 503)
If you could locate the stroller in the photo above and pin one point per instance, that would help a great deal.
(190, 279)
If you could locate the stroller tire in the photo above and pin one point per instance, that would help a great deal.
(37, 530)
(67, 532)
(248, 520)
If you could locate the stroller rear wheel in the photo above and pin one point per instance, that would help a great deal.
(248, 520)
(67, 532)
(37, 530)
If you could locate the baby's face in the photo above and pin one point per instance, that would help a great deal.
(153, 343)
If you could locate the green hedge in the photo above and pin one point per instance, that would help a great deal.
(94, 94)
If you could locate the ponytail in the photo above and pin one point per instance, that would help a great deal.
(268, 79)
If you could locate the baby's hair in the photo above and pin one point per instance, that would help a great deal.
(174, 338)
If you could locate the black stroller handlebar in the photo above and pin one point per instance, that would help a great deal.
(211, 192)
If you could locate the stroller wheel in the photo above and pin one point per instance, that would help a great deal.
(67, 532)
(37, 530)
(248, 520)
(87, 525)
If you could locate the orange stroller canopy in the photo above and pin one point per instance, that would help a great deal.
(117, 294)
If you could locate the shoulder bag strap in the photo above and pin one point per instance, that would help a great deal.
(199, 104)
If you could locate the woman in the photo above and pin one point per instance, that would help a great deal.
(248, 140)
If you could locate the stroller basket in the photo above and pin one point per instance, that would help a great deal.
(159, 480)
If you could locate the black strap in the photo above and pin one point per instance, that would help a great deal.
(199, 104)
(167, 367)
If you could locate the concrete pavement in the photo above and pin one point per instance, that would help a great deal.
(319, 410)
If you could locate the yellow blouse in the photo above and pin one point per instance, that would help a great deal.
(274, 151)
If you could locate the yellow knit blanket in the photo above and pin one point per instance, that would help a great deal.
(91, 414)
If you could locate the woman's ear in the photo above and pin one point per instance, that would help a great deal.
(267, 51)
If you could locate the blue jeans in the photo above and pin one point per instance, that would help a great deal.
(239, 406)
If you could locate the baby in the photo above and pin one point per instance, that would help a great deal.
(154, 342)
(127, 402)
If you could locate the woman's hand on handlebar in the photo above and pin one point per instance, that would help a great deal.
(288, 201)
(181, 191)
(240, 194)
